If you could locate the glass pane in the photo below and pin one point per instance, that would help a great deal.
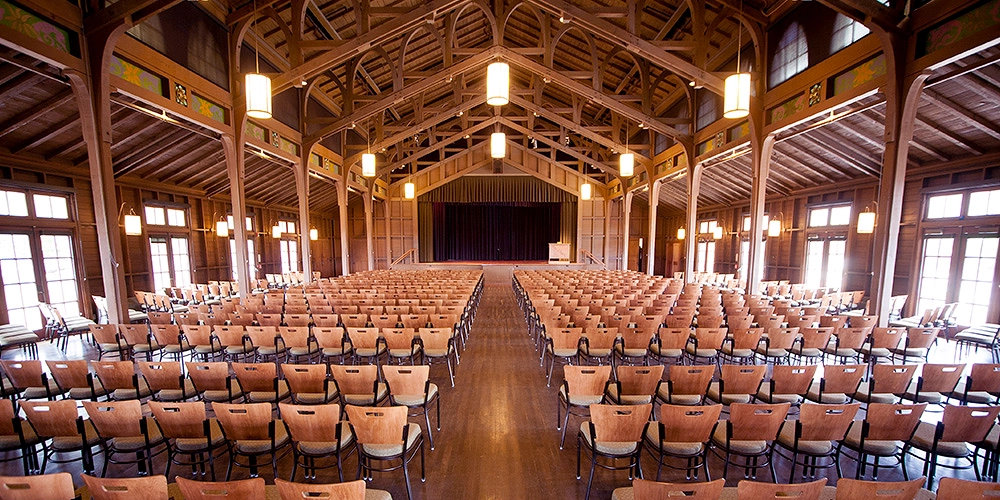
(20, 288)
(702, 248)
(155, 216)
(43, 208)
(703, 228)
(13, 203)
(935, 273)
(840, 216)
(229, 222)
(291, 227)
(161, 263)
(984, 203)
(249, 223)
(51, 207)
(252, 256)
(944, 206)
(181, 261)
(175, 217)
(814, 263)
(819, 217)
(835, 263)
(710, 258)
(976, 288)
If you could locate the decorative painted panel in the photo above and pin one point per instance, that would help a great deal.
(705, 147)
(786, 109)
(315, 160)
(137, 75)
(33, 26)
(739, 131)
(981, 18)
(208, 108)
(256, 131)
(859, 75)
(288, 146)
(180, 94)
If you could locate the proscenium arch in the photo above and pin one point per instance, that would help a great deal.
(591, 45)
(480, 5)
(539, 16)
(412, 35)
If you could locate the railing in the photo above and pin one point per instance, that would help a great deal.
(402, 257)
(593, 258)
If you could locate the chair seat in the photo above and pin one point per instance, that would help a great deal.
(877, 448)
(923, 397)
(842, 352)
(581, 400)
(132, 444)
(978, 397)
(632, 353)
(86, 392)
(13, 442)
(70, 443)
(271, 396)
(736, 353)
(316, 398)
(41, 392)
(207, 349)
(679, 399)
(772, 353)
(670, 448)
(302, 351)
(194, 445)
(913, 352)
(366, 399)
(628, 399)
(614, 448)
(321, 448)
(878, 352)
(665, 353)
(259, 446)
(862, 395)
(177, 348)
(436, 353)
(131, 393)
(701, 353)
(563, 353)
(331, 352)
(367, 352)
(416, 399)
(405, 353)
(146, 347)
(269, 350)
(764, 394)
(109, 347)
(391, 450)
(726, 399)
(832, 398)
(816, 448)
(923, 440)
(809, 352)
(738, 447)
(222, 395)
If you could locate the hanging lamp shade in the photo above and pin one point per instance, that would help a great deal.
(681, 233)
(774, 228)
(368, 165)
(133, 225)
(409, 191)
(586, 191)
(498, 145)
(258, 92)
(222, 229)
(866, 222)
(276, 231)
(737, 99)
(314, 234)
(626, 164)
(497, 84)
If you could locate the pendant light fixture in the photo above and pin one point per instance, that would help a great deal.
(586, 191)
(626, 162)
(409, 189)
(498, 145)
(497, 83)
(257, 86)
(368, 159)
(736, 103)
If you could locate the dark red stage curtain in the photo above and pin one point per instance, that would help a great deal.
(476, 232)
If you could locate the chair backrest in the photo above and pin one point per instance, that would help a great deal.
(600, 338)
(52, 418)
(619, 424)
(197, 334)
(984, 377)
(58, 486)
(313, 423)
(710, 338)
(180, 420)
(134, 334)
(837, 322)
(132, 488)
(739, 321)
(355, 379)
(742, 379)
(305, 378)
(329, 336)
(586, 380)
(921, 338)
(842, 379)
(208, 490)
(352, 490)
(892, 422)
(415, 321)
(244, 420)
(294, 336)
(710, 320)
(850, 489)
(674, 338)
(941, 378)
(753, 490)
(256, 377)
(363, 338)
(565, 338)
(297, 319)
(209, 376)
(325, 320)
(863, 321)
(826, 422)
(639, 380)
(262, 335)
(816, 338)
(756, 422)
(677, 320)
(69, 374)
(23, 373)
(398, 338)
(968, 424)
(381, 425)
(782, 338)
(357, 320)
(406, 380)
(950, 488)
(886, 337)
(792, 379)
(115, 418)
(231, 335)
(115, 374)
(891, 379)
(745, 338)
(690, 380)
(435, 338)
(688, 424)
(166, 334)
(852, 338)
(104, 334)
(768, 322)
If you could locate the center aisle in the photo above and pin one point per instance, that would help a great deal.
(498, 437)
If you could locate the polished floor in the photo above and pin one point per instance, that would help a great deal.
(498, 437)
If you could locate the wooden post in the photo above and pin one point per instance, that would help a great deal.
(302, 188)
(369, 225)
(761, 164)
(654, 202)
(627, 216)
(345, 243)
(233, 149)
(690, 239)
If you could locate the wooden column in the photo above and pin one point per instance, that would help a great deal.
(232, 146)
(607, 232)
(302, 188)
(345, 243)
(654, 202)
(579, 232)
(761, 164)
(388, 233)
(369, 225)
(690, 239)
(626, 223)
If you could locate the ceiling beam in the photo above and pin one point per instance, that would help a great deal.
(560, 147)
(35, 112)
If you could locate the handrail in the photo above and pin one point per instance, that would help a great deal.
(592, 257)
(401, 257)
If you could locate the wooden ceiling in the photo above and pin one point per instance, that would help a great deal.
(575, 90)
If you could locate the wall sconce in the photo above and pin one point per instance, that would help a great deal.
(717, 232)
(133, 223)
(313, 234)
(222, 229)
(681, 233)
(276, 231)
(866, 221)
(774, 228)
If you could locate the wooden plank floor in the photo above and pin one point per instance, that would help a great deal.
(498, 437)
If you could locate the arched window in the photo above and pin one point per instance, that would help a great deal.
(791, 56)
(845, 32)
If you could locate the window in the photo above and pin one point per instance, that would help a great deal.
(249, 225)
(162, 216)
(289, 256)
(51, 207)
(13, 203)
(945, 206)
(745, 256)
(825, 262)
(984, 203)
(976, 286)
(845, 32)
(746, 223)
(171, 261)
(791, 56)
(830, 216)
(708, 109)
(18, 272)
(287, 227)
(251, 256)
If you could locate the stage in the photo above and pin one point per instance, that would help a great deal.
(513, 265)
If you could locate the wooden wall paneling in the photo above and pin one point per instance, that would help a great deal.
(380, 235)
(615, 228)
(591, 230)
(403, 235)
